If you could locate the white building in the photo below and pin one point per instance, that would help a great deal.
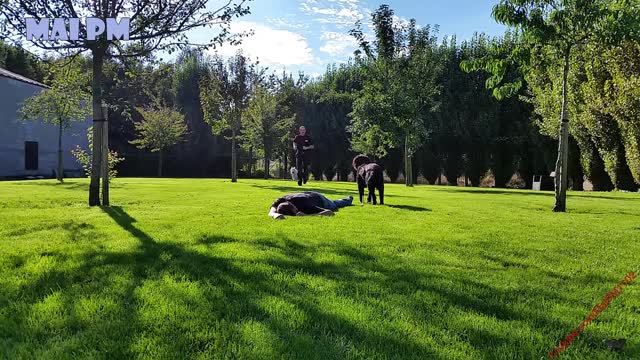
(30, 148)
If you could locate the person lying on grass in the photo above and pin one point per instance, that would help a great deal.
(306, 203)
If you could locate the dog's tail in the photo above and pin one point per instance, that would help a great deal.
(359, 161)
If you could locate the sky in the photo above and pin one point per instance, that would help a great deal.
(308, 35)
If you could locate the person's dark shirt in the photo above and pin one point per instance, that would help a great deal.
(301, 141)
(307, 202)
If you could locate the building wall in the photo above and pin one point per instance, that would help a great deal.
(14, 132)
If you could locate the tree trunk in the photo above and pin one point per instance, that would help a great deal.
(266, 167)
(96, 161)
(408, 177)
(105, 156)
(160, 163)
(234, 172)
(250, 161)
(623, 177)
(60, 175)
(576, 173)
(562, 163)
(286, 166)
(593, 163)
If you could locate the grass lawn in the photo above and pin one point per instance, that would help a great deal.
(196, 269)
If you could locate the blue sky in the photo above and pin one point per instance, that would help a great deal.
(308, 35)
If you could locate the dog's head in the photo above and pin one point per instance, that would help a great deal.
(359, 161)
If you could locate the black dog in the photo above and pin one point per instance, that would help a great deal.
(369, 175)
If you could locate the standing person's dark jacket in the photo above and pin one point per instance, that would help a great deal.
(306, 202)
(301, 141)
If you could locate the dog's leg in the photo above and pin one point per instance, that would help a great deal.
(381, 192)
(361, 192)
(372, 194)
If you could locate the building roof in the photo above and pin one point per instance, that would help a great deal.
(9, 74)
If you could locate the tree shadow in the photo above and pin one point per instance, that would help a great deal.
(293, 189)
(75, 230)
(215, 239)
(69, 184)
(255, 286)
(409, 207)
(175, 299)
(481, 191)
(126, 222)
(597, 195)
(494, 191)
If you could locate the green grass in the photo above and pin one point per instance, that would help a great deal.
(196, 269)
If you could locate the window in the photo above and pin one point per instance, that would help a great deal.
(31, 155)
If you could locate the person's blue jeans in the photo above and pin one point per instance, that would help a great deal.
(335, 204)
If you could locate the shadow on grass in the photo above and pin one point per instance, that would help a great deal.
(68, 184)
(409, 207)
(215, 239)
(499, 191)
(493, 191)
(75, 230)
(164, 299)
(299, 189)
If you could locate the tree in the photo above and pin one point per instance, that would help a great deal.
(609, 104)
(17, 60)
(64, 101)
(224, 97)
(327, 104)
(551, 31)
(262, 129)
(400, 89)
(289, 108)
(160, 129)
(160, 25)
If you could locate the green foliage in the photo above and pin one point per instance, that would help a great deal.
(160, 27)
(161, 127)
(261, 128)
(602, 101)
(290, 104)
(67, 98)
(325, 106)
(19, 61)
(225, 92)
(399, 91)
(85, 158)
(551, 28)
(454, 126)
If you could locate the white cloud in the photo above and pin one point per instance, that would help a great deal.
(352, 14)
(401, 20)
(348, 2)
(286, 22)
(272, 47)
(338, 43)
(341, 13)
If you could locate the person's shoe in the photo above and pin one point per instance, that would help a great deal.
(350, 199)
(299, 182)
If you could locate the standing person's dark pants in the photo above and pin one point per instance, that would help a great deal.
(302, 165)
(302, 143)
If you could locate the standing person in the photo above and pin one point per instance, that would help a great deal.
(301, 144)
